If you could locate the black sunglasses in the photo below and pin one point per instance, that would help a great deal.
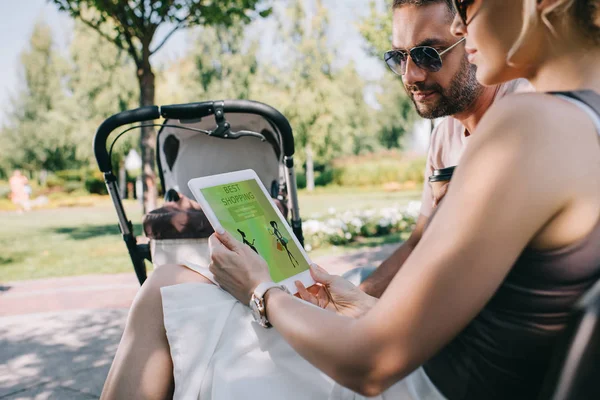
(461, 7)
(424, 57)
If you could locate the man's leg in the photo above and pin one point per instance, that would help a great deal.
(358, 275)
(142, 368)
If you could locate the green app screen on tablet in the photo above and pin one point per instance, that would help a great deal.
(246, 213)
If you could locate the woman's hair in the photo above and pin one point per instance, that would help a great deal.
(584, 15)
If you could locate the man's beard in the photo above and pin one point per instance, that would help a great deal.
(459, 97)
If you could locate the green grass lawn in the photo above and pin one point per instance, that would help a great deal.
(86, 240)
(64, 242)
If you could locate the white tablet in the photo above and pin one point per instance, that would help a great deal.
(239, 203)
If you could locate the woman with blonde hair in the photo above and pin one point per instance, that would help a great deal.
(475, 311)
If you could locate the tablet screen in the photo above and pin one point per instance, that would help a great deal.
(246, 213)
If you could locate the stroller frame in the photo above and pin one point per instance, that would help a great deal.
(190, 112)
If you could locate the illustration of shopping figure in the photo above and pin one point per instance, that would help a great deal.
(283, 242)
(247, 242)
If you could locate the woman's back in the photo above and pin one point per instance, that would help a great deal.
(505, 351)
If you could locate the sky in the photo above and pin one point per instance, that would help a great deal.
(19, 18)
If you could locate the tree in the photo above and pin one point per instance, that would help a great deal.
(222, 64)
(376, 28)
(134, 25)
(325, 104)
(98, 86)
(39, 133)
(396, 115)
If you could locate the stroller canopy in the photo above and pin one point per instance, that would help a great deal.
(185, 154)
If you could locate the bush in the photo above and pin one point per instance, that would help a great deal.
(4, 190)
(378, 169)
(68, 180)
(76, 181)
(324, 178)
(413, 171)
(94, 183)
(71, 175)
(53, 181)
(343, 228)
(301, 181)
(73, 186)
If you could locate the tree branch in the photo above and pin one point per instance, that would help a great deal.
(179, 26)
(133, 51)
(104, 35)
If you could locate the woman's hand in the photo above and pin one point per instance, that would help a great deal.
(335, 293)
(236, 267)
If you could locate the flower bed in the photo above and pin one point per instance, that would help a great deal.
(340, 228)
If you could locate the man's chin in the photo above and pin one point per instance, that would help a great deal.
(428, 110)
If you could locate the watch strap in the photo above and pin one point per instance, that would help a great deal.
(262, 288)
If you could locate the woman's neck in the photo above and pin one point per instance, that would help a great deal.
(569, 69)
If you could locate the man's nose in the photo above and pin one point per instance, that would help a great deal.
(413, 73)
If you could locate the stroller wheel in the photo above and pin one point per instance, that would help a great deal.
(171, 195)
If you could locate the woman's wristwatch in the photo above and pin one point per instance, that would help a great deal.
(257, 302)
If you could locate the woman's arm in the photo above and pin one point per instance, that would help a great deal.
(501, 196)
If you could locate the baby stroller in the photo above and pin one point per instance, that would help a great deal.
(195, 140)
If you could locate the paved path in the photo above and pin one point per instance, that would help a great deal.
(58, 336)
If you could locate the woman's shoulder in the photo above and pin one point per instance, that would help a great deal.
(537, 114)
(530, 127)
(524, 102)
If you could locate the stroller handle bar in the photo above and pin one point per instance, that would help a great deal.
(189, 111)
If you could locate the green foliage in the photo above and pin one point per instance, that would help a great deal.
(65, 98)
(222, 64)
(324, 103)
(378, 169)
(73, 186)
(132, 24)
(324, 177)
(94, 183)
(376, 28)
(63, 101)
(397, 115)
(301, 181)
(99, 87)
(71, 175)
(39, 134)
(4, 190)
(337, 228)
(84, 181)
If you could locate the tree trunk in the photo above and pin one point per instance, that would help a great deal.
(310, 169)
(146, 80)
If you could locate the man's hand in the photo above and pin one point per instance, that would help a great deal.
(335, 293)
(379, 280)
(442, 192)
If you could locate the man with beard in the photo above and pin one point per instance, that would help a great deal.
(441, 83)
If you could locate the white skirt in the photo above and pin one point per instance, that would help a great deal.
(220, 353)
